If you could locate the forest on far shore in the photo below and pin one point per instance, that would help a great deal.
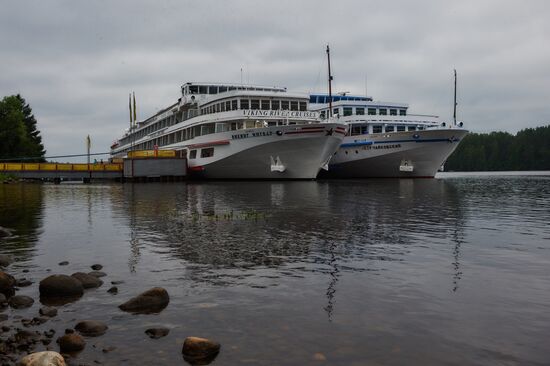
(529, 149)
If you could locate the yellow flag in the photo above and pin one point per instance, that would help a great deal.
(130, 107)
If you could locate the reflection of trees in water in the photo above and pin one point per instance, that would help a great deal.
(21, 207)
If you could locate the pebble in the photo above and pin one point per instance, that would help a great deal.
(48, 311)
(20, 301)
(71, 342)
(87, 280)
(23, 282)
(156, 333)
(46, 358)
(5, 260)
(200, 350)
(6, 283)
(91, 328)
(97, 267)
(151, 301)
(113, 290)
(64, 263)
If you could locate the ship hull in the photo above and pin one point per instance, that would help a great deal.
(282, 152)
(413, 154)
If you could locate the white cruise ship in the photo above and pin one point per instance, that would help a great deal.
(234, 131)
(384, 140)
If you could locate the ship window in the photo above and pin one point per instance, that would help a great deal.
(303, 106)
(293, 106)
(402, 112)
(377, 129)
(217, 107)
(412, 128)
(420, 128)
(208, 152)
(222, 107)
(254, 104)
(348, 111)
(393, 112)
(228, 106)
(231, 88)
(360, 111)
(244, 104)
(355, 130)
(383, 111)
(193, 89)
(275, 105)
(390, 128)
(207, 129)
(234, 105)
(284, 105)
(364, 130)
(203, 89)
(335, 111)
(193, 154)
(372, 111)
(223, 89)
(400, 128)
(322, 114)
(213, 90)
(265, 105)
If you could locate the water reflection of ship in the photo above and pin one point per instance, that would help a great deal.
(21, 212)
(276, 224)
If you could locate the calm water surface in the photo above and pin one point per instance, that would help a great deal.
(451, 271)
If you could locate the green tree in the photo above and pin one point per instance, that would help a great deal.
(18, 132)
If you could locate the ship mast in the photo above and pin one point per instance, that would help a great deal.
(329, 84)
(454, 109)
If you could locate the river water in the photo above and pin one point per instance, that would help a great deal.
(447, 271)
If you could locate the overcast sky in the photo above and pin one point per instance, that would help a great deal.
(76, 61)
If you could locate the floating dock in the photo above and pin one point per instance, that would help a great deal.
(163, 165)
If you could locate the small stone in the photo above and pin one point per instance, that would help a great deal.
(64, 263)
(25, 271)
(3, 299)
(156, 333)
(71, 343)
(97, 274)
(60, 285)
(91, 328)
(23, 282)
(117, 282)
(49, 333)
(47, 358)
(113, 290)
(201, 350)
(48, 311)
(20, 301)
(5, 260)
(6, 283)
(87, 280)
(319, 357)
(151, 301)
(6, 328)
(108, 349)
(38, 320)
(3, 317)
(97, 267)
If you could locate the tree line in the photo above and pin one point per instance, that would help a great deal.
(529, 149)
(19, 136)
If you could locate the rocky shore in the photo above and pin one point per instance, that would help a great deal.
(29, 341)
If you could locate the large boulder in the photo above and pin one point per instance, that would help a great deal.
(47, 358)
(91, 328)
(20, 301)
(71, 342)
(151, 301)
(200, 350)
(60, 285)
(87, 281)
(6, 283)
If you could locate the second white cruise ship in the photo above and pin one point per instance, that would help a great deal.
(233, 131)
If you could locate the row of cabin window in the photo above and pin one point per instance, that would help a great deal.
(365, 129)
(206, 152)
(360, 111)
(166, 122)
(205, 89)
(262, 104)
